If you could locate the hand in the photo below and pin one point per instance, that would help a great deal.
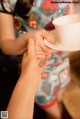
(39, 36)
(41, 49)
(31, 69)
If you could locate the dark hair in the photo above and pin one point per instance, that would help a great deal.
(22, 7)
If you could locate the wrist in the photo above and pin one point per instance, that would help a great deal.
(24, 39)
(31, 85)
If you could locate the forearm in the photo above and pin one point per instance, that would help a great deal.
(21, 105)
(15, 46)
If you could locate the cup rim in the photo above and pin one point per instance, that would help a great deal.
(58, 24)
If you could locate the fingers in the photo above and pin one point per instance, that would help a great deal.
(39, 50)
(42, 55)
(46, 49)
(24, 55)
(39, 61)
(31, 48)
(48, 55)
(47, 35)
(44, 65)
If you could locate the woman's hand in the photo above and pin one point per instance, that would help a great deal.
(39, 36)
(41, 49)
(31, 69)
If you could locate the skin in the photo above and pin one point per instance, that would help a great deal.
(13, 46)
(21, 104)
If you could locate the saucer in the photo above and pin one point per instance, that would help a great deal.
(59, 46)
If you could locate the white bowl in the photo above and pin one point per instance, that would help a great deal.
(68, 30)
(60, 46)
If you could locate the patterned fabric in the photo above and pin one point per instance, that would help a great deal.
(56, 76)
(9, 5)
(43, 12)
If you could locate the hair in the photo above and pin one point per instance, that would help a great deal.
(22, 7)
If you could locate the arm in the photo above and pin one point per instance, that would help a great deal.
(12, 46)
(21, 104)
(9, 44)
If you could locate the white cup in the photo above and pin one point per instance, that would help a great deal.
(68, 29)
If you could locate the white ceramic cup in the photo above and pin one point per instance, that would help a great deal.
(68, 29)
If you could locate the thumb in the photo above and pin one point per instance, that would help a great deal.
(31, 48)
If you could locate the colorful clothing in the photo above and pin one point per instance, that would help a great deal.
(56, 76)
